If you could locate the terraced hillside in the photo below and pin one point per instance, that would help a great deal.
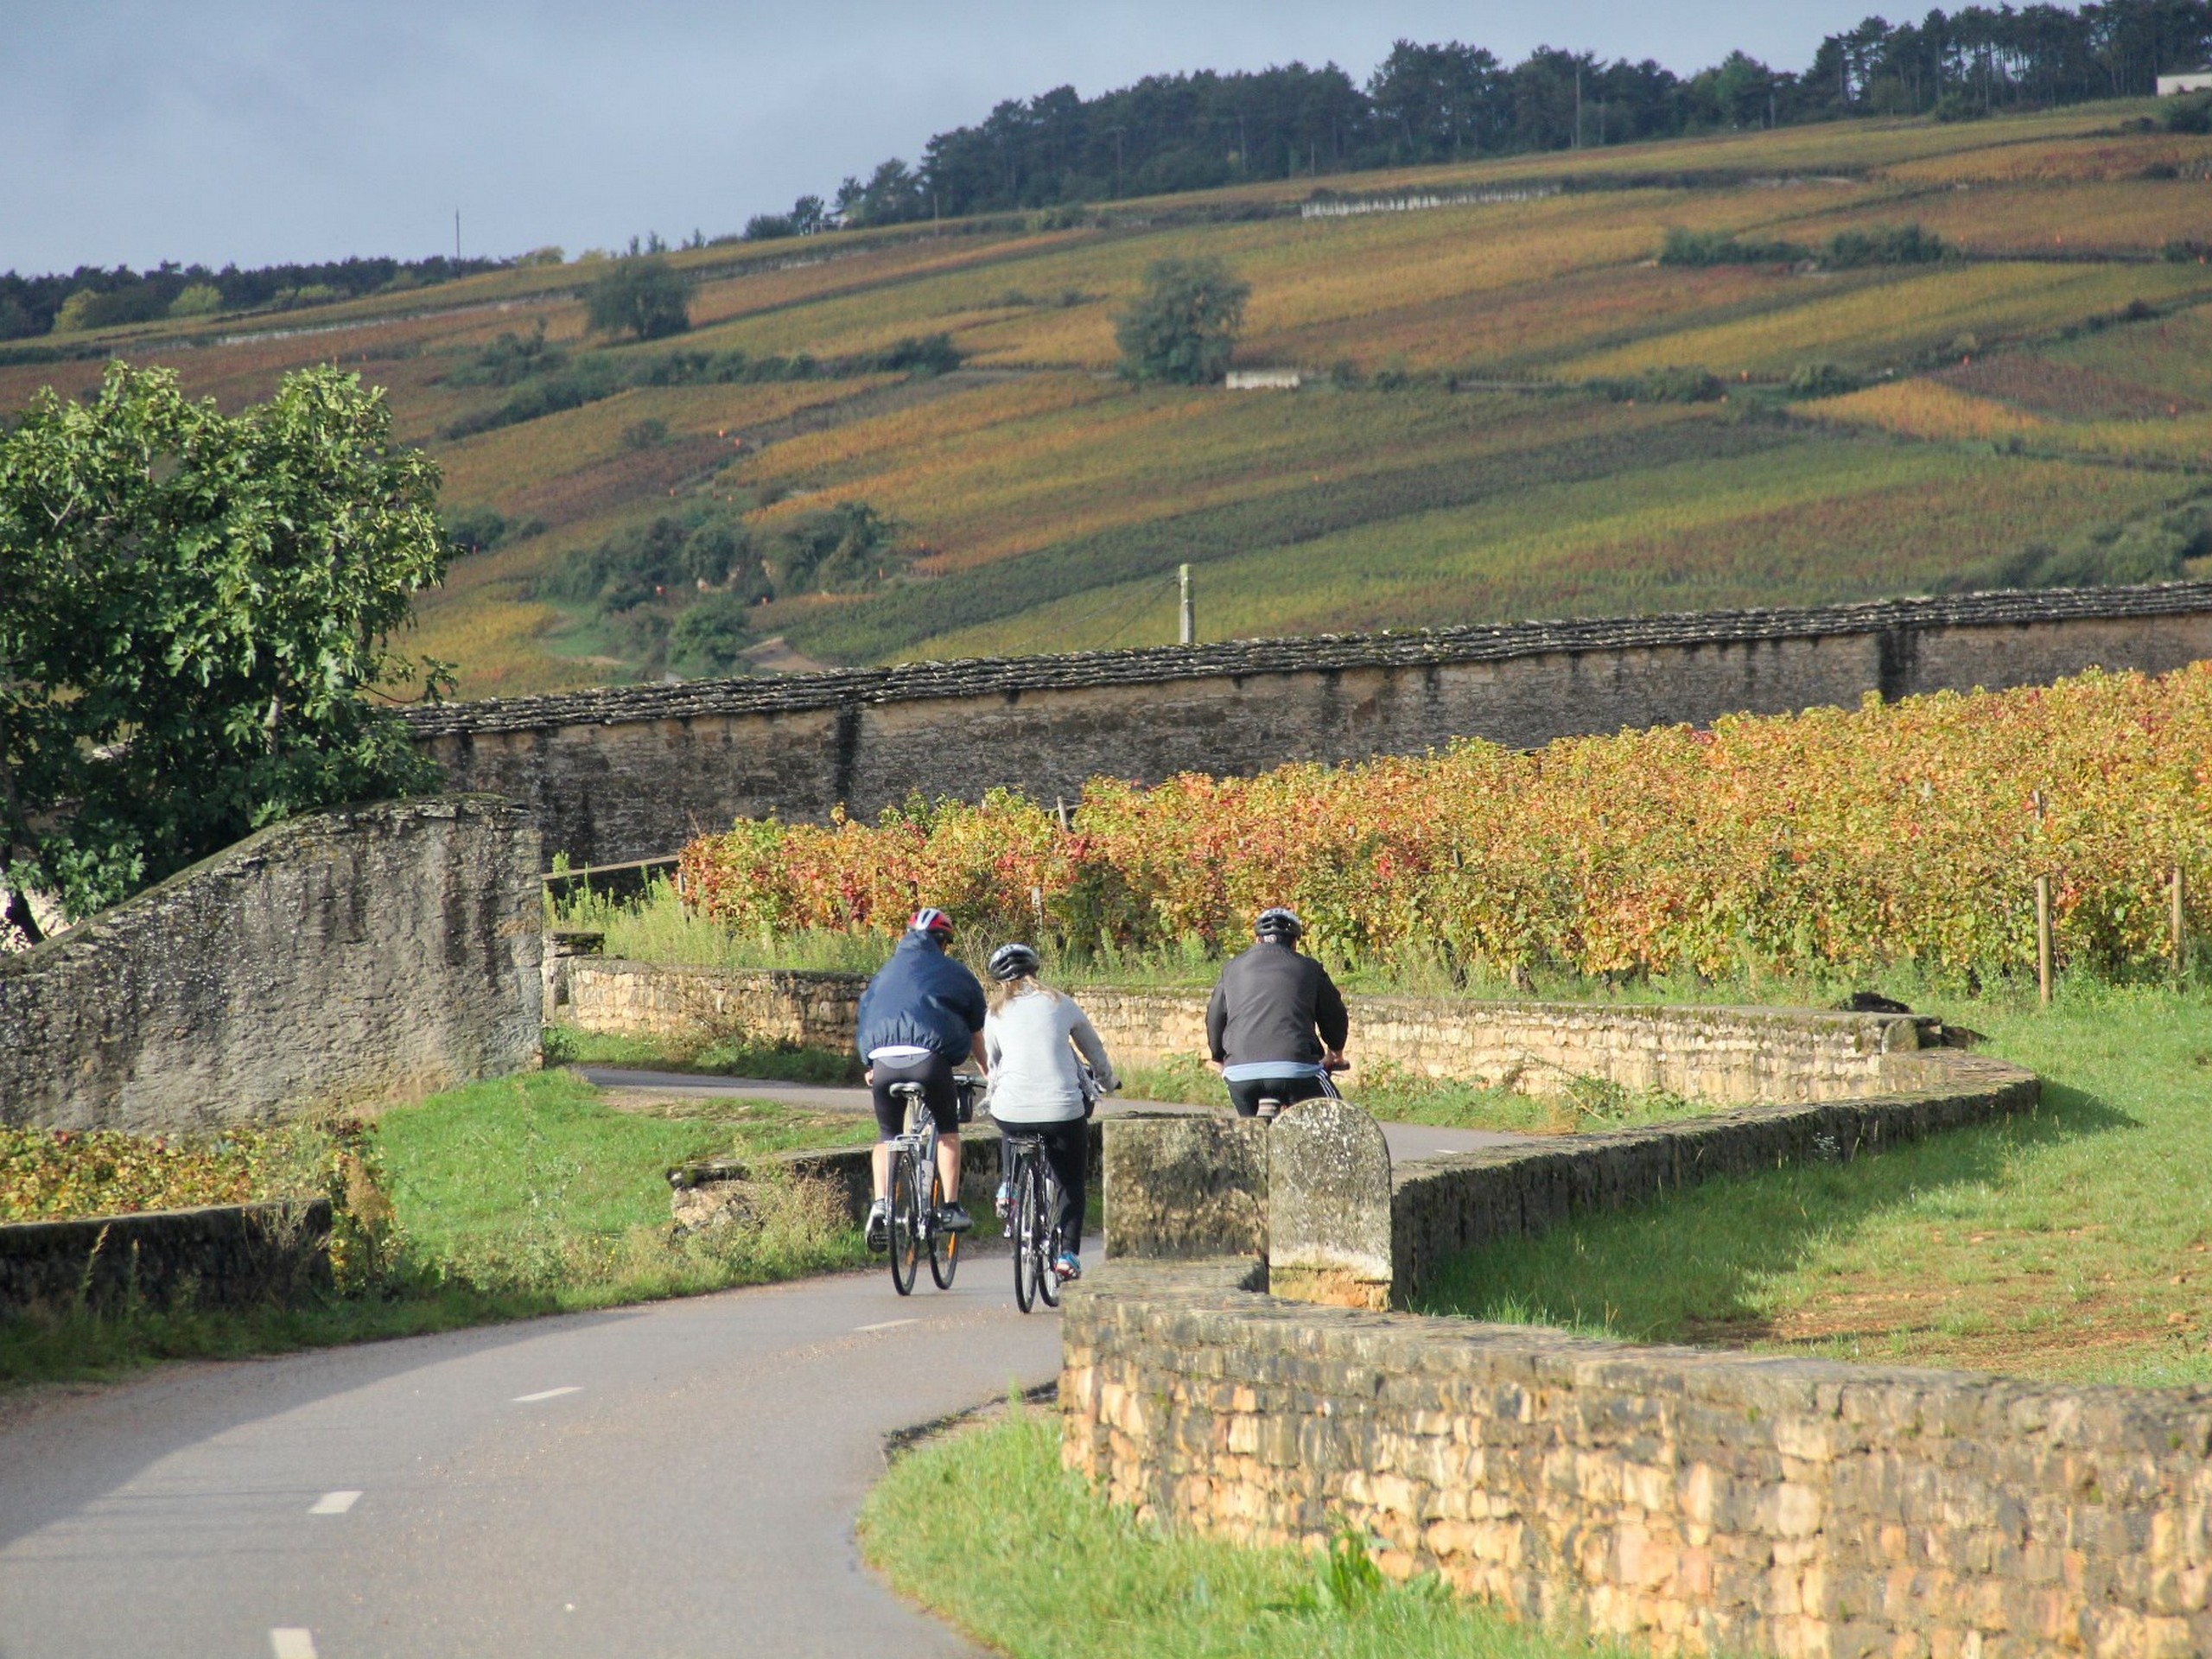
(1493, 425)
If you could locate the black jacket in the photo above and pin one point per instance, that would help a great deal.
(1269, 1004)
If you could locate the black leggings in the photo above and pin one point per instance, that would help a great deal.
(1247, 1096)
(1067, 1148)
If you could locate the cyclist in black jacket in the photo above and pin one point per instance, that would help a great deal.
(1277, 1021)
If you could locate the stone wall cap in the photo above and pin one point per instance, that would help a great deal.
(313, 1210)
(1239, 658)
(95, 932)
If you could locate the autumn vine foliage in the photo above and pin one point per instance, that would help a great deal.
(1906, 832)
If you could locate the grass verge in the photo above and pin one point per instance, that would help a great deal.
(510, 1199)
(2075, 1244)
(987, 1530)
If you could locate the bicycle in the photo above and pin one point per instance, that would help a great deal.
(915, 1229)
(1032, 1220)
(1034, 1196)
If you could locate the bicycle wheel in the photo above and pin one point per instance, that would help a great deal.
(1048, 1232)
(1025, 1231)
(905, 1223)
(944, 1244)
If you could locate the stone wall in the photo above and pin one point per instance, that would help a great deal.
(1537, 1048)
(645, 999)
(1685, 1500)
(633, 773)
(1690, 1501)
(342, 960)
(228, 1256)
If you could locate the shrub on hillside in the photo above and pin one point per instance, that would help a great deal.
(1901, 832)
(1182, 326)
(1700, 249)
(2192, 114)
(1883, 244)
(642, 296)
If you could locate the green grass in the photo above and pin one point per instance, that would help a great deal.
(2075, 1244)
(988, 1531)
(523, 1196)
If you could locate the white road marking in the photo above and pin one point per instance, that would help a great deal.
(334, 1503)
(545, 1393)
(290, 1642)
(888, 1325)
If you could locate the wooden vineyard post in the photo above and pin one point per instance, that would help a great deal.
(2042, 938)
(2179, 921)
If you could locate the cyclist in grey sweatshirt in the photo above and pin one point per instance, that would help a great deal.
(1036, 1043)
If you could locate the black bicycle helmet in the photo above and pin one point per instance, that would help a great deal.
(1012, 962)
(1278, 926)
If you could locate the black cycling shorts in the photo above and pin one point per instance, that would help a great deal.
(1247, 1096)
(934, 1073)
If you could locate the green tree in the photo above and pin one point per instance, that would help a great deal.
(1182, 326)
(711, 636)
(193, 615)
(641, 295)
(198, 300)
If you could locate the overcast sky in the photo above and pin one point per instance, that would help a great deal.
(257, 131)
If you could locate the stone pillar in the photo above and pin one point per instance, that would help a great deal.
(1187, 1185)
(1329, 1206)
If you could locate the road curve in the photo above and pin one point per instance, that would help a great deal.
(693, 1494)
(675, 1478)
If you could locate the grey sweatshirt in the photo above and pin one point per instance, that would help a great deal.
(1035, 1077)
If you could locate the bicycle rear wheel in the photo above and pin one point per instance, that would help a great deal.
(944, 1243)
(1025, 1234)
(1048, 1230)
(905, 1223)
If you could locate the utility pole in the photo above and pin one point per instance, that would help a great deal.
(1190, 631)
(456, 236)
(1578, 106)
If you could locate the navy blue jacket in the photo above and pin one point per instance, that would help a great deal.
(921, 999)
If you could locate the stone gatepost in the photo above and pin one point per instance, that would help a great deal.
(1185, 1185)
(1328, 1233)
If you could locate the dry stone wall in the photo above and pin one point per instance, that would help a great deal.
(633, 773)
(620, 998)
(342, 960)
(1537, 1048)
(1689, 1501)
(223, 1255)
(1693, 1501)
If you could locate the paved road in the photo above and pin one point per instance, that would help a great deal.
(673, 1479)
(691, 1492)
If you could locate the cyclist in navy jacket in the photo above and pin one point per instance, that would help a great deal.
(921, 1015)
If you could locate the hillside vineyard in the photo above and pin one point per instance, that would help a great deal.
(907, 442)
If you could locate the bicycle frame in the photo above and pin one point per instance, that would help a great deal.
(915, 1189)
(1034, 1220)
